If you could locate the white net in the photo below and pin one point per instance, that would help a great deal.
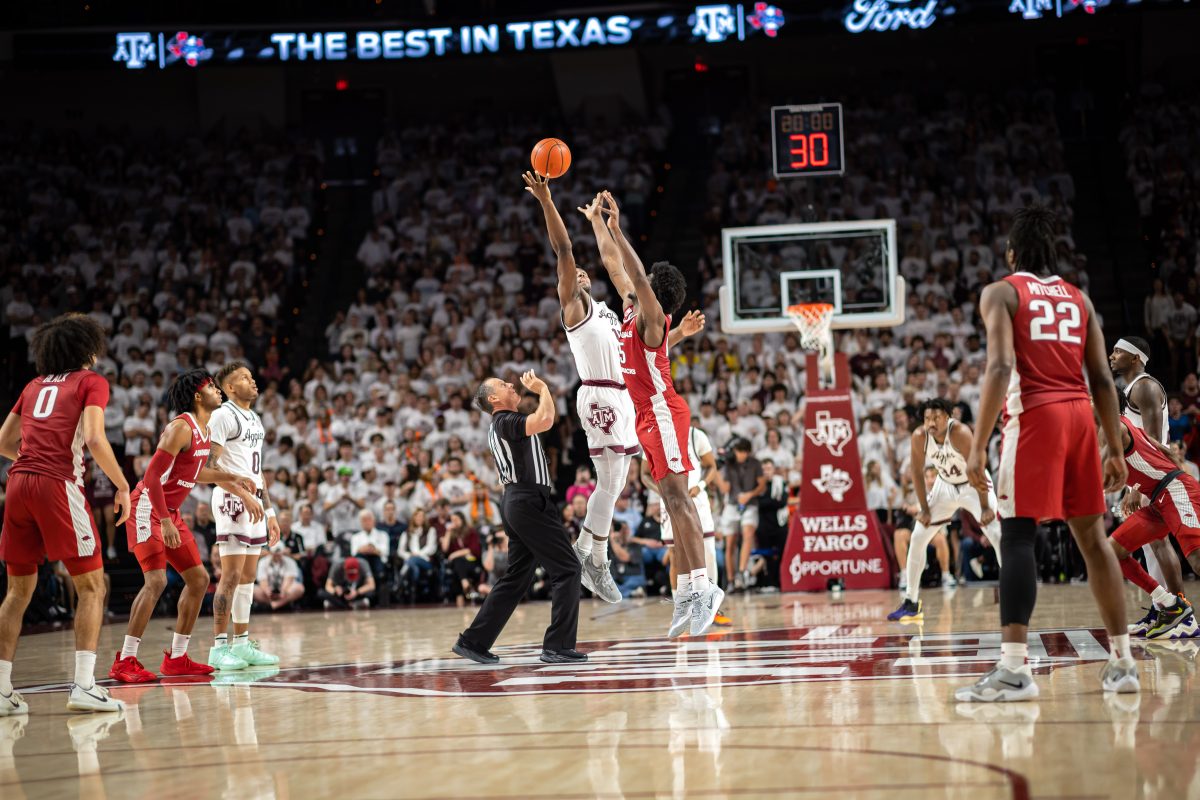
(814, 321)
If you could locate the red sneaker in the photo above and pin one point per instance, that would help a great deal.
(183, 666)
(130, 670)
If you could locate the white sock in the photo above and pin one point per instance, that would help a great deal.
(221, 640)
(85, 669)
(241, 638)
(583, 542)
(675, 594)
(179, 643)
(1012, 654)
(700, 579)
(130, 648)
(599, 550)
(685, 586)
(1120, 647)
(6, 677)
(1162, 598)
(710, 558)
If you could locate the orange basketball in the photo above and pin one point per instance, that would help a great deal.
(551, 158)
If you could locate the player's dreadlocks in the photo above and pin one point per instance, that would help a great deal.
(1032, 240)
(181, 396)
(67, 343)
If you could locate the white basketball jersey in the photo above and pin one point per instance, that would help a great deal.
(698, 446)
(240, 433)
(1135, 417)
(596, 346)
(950, 464)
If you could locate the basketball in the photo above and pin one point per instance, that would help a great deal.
(551, 158)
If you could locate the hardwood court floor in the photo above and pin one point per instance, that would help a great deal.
(803, 698)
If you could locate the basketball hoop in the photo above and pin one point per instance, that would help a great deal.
(814, 321)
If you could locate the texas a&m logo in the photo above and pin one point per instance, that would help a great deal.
(832, 432)
(232, 506)
(602, 417)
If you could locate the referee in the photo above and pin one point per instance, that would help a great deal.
(533, 524)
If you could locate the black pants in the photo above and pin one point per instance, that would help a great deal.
(536, 536)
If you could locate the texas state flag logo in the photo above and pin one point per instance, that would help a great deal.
(766, 18)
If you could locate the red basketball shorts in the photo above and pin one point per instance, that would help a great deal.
(143, 532)
(1174, 511)
(1050, 464)
(663, 427)
(48, 518)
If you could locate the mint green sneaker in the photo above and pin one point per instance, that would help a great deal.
(248, 651)
(223, 657)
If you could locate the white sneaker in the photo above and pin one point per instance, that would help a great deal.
(1000, 685)
(96, 698)
(681, 620)
(949, 581)
(1120, 675)
(704, 608)
(12, 705)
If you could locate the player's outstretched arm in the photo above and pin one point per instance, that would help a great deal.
(996, 306)
(610, 254)
(560, 240)
(649, 309)
(10, 437)
(691, 324)
(542, 419)
(97, 444)
(1104, 396)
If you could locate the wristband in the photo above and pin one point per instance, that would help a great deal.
(270, 512)
(703, 484)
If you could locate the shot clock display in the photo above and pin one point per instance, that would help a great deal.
(807, 140)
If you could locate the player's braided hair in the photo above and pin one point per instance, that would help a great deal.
(67, 343)
(224, 372)
(937, 404)
(181, 396)
(669, 286)
(1032, 239)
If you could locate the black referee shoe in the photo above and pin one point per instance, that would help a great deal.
(563, 657)
(461, 648)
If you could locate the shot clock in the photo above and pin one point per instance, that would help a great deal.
(807, 140)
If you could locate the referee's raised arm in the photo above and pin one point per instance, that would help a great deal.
(542, 419)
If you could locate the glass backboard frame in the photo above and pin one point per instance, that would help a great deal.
(890, 316)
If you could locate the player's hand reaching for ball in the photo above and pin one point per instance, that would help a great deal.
(170, 533)
(592, 210)
(1115, 472)
(692, 323)
(532, 382)
(538, 186)
(610, 208)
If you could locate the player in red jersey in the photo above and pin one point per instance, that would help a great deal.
(1174, 497)
(45, 513)
(1042, 335)
(157, 534)
(663, 420)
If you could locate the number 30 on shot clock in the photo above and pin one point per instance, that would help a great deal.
(807, 140)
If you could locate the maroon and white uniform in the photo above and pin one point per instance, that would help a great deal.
(45, 512)
(1174, 497)
(1049, 456)
(144, 527)
(663, 418)
(603, 402)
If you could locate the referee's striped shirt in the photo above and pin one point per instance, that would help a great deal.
(519, 458)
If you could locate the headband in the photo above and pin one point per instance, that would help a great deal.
(1122, 344)
(204, 383)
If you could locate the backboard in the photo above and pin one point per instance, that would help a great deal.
(852, 265)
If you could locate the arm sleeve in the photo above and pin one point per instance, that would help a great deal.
(510, 425)
(93, 391)
(160, 464)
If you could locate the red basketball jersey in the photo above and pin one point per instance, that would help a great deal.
(180, 479)
(1049, 332)
(51, 409)
(647, 370)
(1147, 464)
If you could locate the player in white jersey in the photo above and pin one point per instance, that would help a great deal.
(1146, 408)
(704, 471)
(943, 442)
(244, 525)
(603, 403)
